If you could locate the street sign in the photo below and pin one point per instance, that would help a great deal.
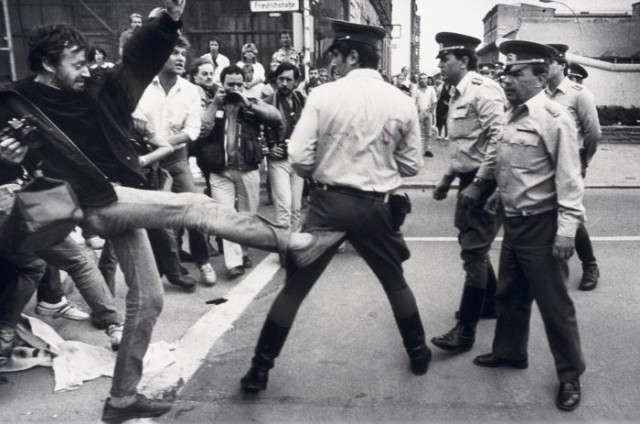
(275, 5)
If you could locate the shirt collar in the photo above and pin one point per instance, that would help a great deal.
(562, 87)
(176, 87)
(364, 73)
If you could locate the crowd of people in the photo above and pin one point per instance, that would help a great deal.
(518, 155)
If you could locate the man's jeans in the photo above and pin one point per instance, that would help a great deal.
(286, 190)
(426, 123)
(225, 189)
(122, 222)
(183, 183)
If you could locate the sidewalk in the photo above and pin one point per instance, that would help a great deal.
(613, 166)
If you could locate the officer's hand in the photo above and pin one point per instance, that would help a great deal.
(276, 152)
(563, 247)
(584, 171)
(442, 188)
(11, 150)
(493, 203)
(470, 194)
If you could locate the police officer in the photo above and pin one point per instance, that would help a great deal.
(475, 120)
(577, 73)
(356, 152)
(540, 189)
(582, 107)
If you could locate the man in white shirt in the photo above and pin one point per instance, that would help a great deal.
(171, 109)
(219, 60)
(425, 97)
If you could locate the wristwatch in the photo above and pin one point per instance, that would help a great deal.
(478, 181)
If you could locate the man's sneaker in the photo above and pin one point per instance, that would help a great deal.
(94, 242)
(143, 407)
(7, 339)
(114, 331)
(62, 309)
(207, 274)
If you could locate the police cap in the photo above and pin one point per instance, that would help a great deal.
(561, 48)
(450, 41)
(520, 52)
(577, 70)
(364, 34)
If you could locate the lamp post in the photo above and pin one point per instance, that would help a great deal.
(575, 15)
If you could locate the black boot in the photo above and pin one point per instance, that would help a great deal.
(489, 304)
(270, 342)
(414, 339)
(463, 335)
(590, 275)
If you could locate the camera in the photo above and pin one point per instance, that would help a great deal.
(233, 97)
(24, 130)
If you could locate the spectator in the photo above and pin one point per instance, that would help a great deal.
(425, 98)
(286, 185)
(286, 52)
(312, 82)
(170, 107)
(235, 176)
(324, 76)
(219, 60)
(270, 85)
(135, 22)
(250, 56)
(98, 57)
(251, 91)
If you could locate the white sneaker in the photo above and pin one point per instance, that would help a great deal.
(94, 242)
(114, 331)
(207, 274)
(62, 309)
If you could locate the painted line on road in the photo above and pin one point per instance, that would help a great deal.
(447, 239)
(194, 346)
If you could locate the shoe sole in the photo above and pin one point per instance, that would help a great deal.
(58, 315)
(564, 408)
(515, 366)
(252, 387)
(126, 417)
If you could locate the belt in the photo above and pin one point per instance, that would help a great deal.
(350, 191)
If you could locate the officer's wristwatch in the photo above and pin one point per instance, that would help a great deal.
(478, 181)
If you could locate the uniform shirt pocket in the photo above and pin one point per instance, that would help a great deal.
(461, 121)
(524, 148)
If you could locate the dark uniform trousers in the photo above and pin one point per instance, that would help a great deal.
(528, 271)
(477, 230)
(367, 224)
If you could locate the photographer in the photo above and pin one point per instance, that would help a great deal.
(286, 185)
(234, 152)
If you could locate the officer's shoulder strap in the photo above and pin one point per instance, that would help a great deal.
(477, 81)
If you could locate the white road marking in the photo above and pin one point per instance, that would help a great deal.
(445, 239)
(194, 346)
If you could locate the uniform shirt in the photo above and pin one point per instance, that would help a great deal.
(425, 98)
(581, 104)
(292, 56)
(538, 166)
(167, 114)
(474, 124)
(358, 131)
(220, 63)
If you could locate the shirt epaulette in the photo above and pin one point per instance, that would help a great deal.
(552, 110)
(476, 81)
(576, 86)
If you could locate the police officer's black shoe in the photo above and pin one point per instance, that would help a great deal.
(459, 339)
(590, 275)
(489, 361)
(255, 379)
(420, 357)
(568, 397)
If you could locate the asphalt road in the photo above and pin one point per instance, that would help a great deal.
(344, 359)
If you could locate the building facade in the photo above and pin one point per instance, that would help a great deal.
(406, 43)
(607, 44)
(232, 22)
